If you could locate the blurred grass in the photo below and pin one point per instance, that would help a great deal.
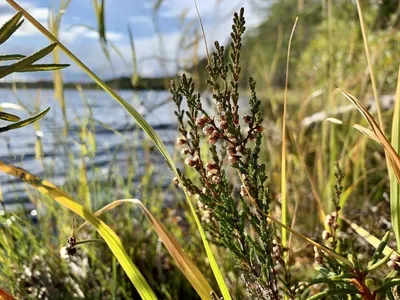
(330, 52)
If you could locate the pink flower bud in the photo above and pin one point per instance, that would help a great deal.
(247, 119)
(201, 121)
(233, 158)
(259, 129)
(216, 179)
(231, 150)
(223, 125)
(181, 141)
(212, 140)
(211, 165)
(185, 151)
(208, 130)
(326, 235)
(190, 162)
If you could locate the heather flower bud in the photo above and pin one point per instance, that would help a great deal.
(181, 141)
(190, 162)
(251, 137)
(329, 220)
(185, 151)
(231, 150)
(243, 191)
(208, 130)
(212, 172)
(223, 125)
(325, 235)
(393, 265)
(395, 257)
(211, 165)
(259, 129)
(201, 121)
(175, 181)
(215, 134)
(213, 139)
(240, 149)
(233, 158)
(247, 119)
(216, 179)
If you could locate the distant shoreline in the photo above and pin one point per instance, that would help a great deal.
(121, 83)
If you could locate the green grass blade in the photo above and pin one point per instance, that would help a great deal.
(25, 122)
(9, 117)
(27, 61)
(371, 239)
(148, 130)
(109, 236)
(394, 184)
(283, 153)
(183, 261)
(40, 67)
(10, 27)
(11, 57)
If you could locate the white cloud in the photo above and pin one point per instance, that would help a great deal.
(73, 33)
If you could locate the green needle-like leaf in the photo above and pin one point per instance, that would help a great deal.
(9, 117)
(25, 122)
(27, 61)
(40, 67)
(11, 57)
(10, 27)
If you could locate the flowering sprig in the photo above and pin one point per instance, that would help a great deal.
(231, 213)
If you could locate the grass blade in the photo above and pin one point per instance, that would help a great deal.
(25, 122)
(184, 263)
(371, 239)
(283, 159)
(27, 61)
(394, 185)
(314, 243)
(109, 236)
(393, 158)
(148, 130)
(10, 27)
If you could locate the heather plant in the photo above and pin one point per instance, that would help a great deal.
(237, 216)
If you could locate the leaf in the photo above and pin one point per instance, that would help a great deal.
(393, 159)
(39, 67)
(109, 236)
(147, 129)
(334, 120)
(373, 240)
(11, 57)
(394, 185)
(184, 263)
(27, 61)
(10, 27)
(25, 122)
(368, 133)
(314, 243)
(9, 117)
(330, 292)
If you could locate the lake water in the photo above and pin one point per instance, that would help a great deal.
(18, 146)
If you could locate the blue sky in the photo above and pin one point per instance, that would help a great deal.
(157, 54)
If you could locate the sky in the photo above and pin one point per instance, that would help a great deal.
(159, 38)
